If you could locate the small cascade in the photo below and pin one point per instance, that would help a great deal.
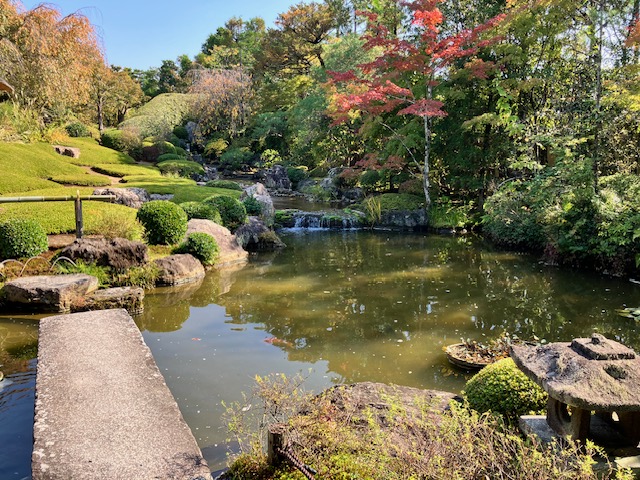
(300, 220)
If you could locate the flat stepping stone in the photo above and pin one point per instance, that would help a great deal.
(48, 293)
(103, 410)
(129, 298)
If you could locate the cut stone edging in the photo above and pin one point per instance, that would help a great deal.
(65, 293)
(103, 410)
(48, 293)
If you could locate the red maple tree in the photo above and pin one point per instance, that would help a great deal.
(416, 58)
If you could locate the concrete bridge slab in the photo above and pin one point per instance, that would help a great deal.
(103, 410)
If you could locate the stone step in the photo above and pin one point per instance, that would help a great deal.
(103, 410)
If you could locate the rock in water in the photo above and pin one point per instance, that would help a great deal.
(179, 269)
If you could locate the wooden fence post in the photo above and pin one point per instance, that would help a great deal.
(79, 225)
(275, 443)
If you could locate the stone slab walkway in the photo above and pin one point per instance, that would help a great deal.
(103, 410)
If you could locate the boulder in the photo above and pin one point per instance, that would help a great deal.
(404, 219)
(230, 250)
(160, 196)
(118, 253)
(48, 293)
(275, 178)
(255, 236)
(129, 298)
(261, 194)
(179, 269)
(129, 197)
(67, 151)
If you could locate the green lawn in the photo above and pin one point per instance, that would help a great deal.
(29, 170)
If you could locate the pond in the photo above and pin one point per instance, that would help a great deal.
(343, 307)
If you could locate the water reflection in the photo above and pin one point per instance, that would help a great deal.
(18, 348)
(344, 307)
(356, 306)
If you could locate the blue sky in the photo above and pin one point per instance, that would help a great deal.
(140, 34)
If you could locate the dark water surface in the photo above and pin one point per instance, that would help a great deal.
(343, 307)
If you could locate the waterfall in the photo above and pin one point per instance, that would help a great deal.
(300, 220)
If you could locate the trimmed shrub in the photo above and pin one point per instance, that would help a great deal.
(202, 246)
(77, 129)
(297, 174)
(201, 210)
(228, 184)
(164, 222)
(165, 147)
(169, 156)
(400, 202)
(215, 148)
(502, 388)
(181, 132)
(21, 238)
(231, 210)
(413, 187)
(181, 151)
(111, 138)
(370, 180)
(184, 168)
(236, 158)
(252, 206)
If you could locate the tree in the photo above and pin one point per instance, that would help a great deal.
(224, 101)
(114, 92)
(297, 42)
(47, 58)
(403, 77)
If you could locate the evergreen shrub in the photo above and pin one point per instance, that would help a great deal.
(297, 174)
(202, 246)
(20, 238)
(231, 210)
(252, 206)
(164, 222)
(201, 210)
(502, 388)
(169, 156)
(228, 184)
(184, 168)
(77, 129)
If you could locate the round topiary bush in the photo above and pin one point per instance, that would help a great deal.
(502, 388)
(252, 206)
(202, 246)
(164, 222)
(201, 210)
(228, 184)
(231, 210)
(20, 238)
(77, 129)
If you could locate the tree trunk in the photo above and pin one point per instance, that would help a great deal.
(425, 167)
(100, 113)
(599, 35)
(427, 152)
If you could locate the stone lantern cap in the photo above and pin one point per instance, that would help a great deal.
(589, 373)
(5, 86)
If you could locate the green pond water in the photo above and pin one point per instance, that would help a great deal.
(343, 307)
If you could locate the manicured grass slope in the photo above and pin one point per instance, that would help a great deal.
(25, 170)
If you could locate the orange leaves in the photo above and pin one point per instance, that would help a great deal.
(428, 19)
(49, 58)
